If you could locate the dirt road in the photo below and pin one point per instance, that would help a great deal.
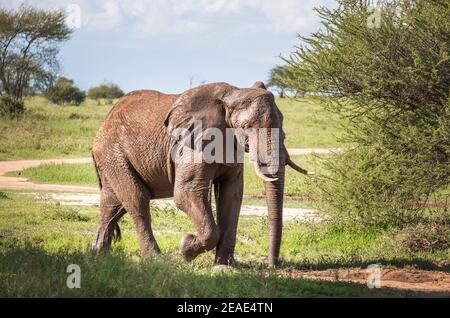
(413, 281)
(15, 183)
(22, 183)
(83, 195)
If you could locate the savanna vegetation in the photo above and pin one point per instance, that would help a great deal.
(36, 231)
(105, 91)
(386, 72)
(64, 91)
(45, 130)
(375, 85)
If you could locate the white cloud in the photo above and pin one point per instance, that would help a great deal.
(159, 17)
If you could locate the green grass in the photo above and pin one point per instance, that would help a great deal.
(84, 174)
(307, 124)
(73, 174)
(50, 131)
(39, 239)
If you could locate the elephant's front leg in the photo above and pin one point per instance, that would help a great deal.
(192, 195)
(228, 191)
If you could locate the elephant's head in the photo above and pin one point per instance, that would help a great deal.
(223, 106)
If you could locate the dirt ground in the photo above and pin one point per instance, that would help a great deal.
(16, 183)
(415, 281)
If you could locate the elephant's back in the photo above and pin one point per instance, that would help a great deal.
(138, 112)
(142, 106)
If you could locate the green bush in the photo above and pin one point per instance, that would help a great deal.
(390, 81)
(64, 91)
(10, 106)
(108, 91)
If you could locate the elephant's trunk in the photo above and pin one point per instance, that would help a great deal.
(274, 198)
(274, 186)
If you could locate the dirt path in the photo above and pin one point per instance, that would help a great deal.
(22, 183)
(16, 183)
(83, 195)
(93, 199)
(433, 283)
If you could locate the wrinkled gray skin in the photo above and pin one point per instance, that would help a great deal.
(132, 158)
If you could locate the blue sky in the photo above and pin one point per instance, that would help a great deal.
(161, 44)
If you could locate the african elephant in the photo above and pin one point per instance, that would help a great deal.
(133, 161)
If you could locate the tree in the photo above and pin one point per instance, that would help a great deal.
(390, 81)
(29, 40)
(276, 80)
(281, 78)
(64, 91)
(107, 90)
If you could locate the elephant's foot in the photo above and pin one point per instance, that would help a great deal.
(192, 246)
(102, 241)
(189, 250)
(150, 249)
(226, 260)
(97, 249)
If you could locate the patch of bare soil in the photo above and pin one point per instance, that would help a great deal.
(22, 183)
(414, 280)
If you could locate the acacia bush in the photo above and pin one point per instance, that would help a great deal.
(64, 91)
(11, 106)
(108, 91)
(387, 73)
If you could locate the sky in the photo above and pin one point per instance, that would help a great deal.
(167, 44)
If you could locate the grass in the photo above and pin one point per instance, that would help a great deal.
(73, 174)
(84, 174)
(39, 239)
(50, 131)
(307, 124)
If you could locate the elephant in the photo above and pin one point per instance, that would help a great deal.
(133, 160)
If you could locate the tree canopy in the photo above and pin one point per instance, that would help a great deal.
(385, 70)
(29, 44)
(107, 90)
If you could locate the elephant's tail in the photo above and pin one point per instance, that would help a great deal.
(117, 234)
(97, 173)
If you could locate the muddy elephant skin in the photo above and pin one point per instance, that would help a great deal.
(132, 158)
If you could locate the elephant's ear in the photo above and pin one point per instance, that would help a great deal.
(192, 108)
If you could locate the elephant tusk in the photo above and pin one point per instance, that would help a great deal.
(294, 166)
(261, 174)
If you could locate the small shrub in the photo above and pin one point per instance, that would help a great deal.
(107, 91)
(64, 91)
(427, 237)
(10, 106)
(75, 116)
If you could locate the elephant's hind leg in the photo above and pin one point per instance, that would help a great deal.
(135, 198)
(111, 210)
